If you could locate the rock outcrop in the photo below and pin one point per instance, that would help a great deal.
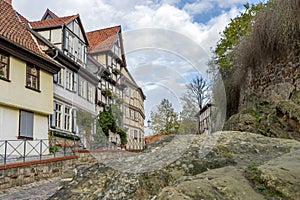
(224, 165)
(269, 102)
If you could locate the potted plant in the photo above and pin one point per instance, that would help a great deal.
(1, 73)
(106, 92)
(116, 71)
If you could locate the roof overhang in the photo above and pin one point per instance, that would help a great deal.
(28, 56)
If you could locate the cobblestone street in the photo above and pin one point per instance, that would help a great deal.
(35, 191)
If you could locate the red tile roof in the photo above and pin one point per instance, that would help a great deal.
(53, 22)
(101, 40)
(13, 30)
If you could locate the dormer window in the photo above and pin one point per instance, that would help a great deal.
(75, 47)
(32, 77)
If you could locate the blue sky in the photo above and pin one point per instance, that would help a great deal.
(167, 42)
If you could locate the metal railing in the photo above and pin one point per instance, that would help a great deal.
(13, 151)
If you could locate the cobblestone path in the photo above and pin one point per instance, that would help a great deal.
(34, 191)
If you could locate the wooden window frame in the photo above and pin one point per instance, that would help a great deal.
(5, 65)
(30, 77)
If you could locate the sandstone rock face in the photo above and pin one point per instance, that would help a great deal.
(223, 183)
(282, 174)
(217, 166)
(279, 119)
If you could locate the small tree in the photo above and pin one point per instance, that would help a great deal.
(188, 120)
(197, 91)
(165, 119)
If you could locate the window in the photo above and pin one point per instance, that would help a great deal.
(135, 134)
(67, 118)
(26, 124)
(69, 80)
(58, 115)
(4, 66)
(32, 77)
(90, 93)
(127, 112)
(60, 76)
(82, 88)
(69, 43)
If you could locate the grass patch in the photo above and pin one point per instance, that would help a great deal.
(253, 174)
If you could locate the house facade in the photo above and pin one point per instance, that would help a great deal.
(62, 77)
(26, 80)
(106, 51)
(134, 113)
(117, 87)
(74, 86)
(204, 119)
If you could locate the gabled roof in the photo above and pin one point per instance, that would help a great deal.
(14, 33)
(102, 40)
(55, 22)
(49, 15)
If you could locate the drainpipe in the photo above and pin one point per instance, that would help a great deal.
(56, 53)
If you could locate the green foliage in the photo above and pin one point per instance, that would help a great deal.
(164, 120)
(123, 136)
(53, 149)
(106, 92)
(237, 28)
(107, 121)
(224, 56)
(84, 120)
(188, 121)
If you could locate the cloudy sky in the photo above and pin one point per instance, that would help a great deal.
(167, 42)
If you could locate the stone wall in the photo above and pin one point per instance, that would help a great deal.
(17, 174)
(23, 173)
(269, 101)
(275, 82)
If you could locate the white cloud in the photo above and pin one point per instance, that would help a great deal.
(198, 7)
(178, 46)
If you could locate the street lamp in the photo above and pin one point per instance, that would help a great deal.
(148, 122)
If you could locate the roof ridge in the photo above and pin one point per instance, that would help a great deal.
(53, 19)
(104, 29)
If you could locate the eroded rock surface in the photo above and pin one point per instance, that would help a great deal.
(217, 166)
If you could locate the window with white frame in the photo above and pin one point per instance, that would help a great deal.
(82, 87)
(67, 119)
(127, 112)
(90, 95)
(69, 80)
(135, 134)
(58, 115)
(26, 124)
(60, 77)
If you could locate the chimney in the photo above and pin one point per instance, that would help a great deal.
(8, 1)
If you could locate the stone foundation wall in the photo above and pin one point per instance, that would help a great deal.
(23, 173)
(18, 174)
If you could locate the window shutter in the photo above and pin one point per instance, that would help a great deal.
(53, 117)
(55, 78)
(74, 82)
(26, 124)
(74, 124)
(23, 125)
(29, 125)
